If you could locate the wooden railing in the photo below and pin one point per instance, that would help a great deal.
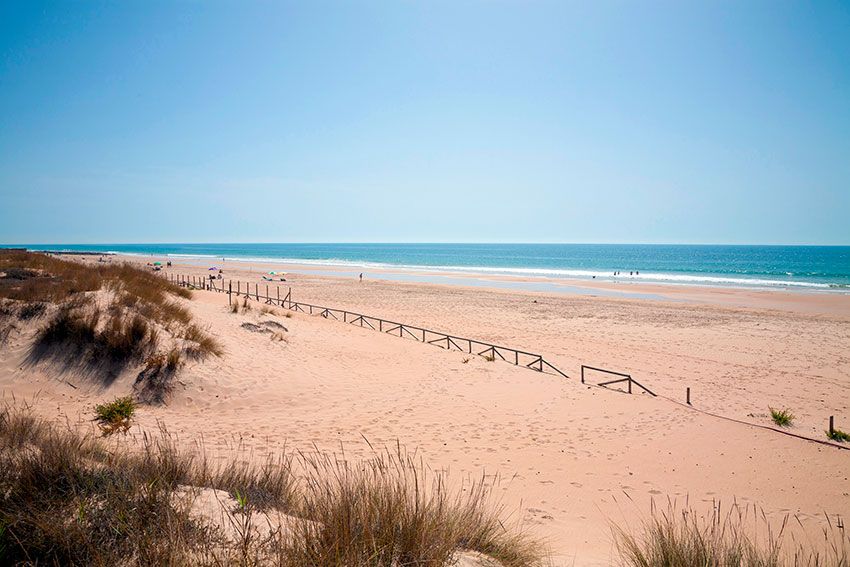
(623, 378)
(447, 341)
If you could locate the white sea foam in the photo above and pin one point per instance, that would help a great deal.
(646, 277)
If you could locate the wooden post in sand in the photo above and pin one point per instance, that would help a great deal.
(831, 426)
(688, 395)
(229, 291)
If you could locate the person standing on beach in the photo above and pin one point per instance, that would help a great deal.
(361, 277)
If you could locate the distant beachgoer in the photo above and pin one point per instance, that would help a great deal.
(631, 273)
(637, 273)
(361, 278)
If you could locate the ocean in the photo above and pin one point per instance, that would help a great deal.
(825, 268)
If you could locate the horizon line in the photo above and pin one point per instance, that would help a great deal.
(376, 242)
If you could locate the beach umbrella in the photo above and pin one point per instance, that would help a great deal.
(213, 268)
(272, 273)
(157, 263)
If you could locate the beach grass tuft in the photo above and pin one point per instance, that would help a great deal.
(838, 435)
(68, 498)
(740, 537)
(782, 418)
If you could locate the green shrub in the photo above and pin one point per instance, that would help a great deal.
(115, 415)
(782, 418)
(838, 435)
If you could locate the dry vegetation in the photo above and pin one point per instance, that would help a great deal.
(67, 499)
(104, 317)
(740, 537)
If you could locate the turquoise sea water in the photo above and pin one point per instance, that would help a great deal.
(824, 268)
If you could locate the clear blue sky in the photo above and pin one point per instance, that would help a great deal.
(714, 122)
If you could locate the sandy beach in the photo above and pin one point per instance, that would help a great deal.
(568, 458)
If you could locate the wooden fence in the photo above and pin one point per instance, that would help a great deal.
(623, 378)
(443, 340)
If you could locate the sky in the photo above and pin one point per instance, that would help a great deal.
(610, 121)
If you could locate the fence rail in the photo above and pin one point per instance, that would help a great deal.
(446, 341)
(623, 378)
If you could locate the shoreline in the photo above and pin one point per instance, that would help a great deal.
(541, 275)
(808, 301)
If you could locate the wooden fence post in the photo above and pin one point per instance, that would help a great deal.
(831, 426)
(688, 395)
(229, 291)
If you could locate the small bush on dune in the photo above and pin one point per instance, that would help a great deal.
(782, 418)
(115, 415)
(838, 435)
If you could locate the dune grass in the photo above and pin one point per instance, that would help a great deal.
(103, 316)
(68, 498)
(838, 435)
(740, 537)
(782, 418)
